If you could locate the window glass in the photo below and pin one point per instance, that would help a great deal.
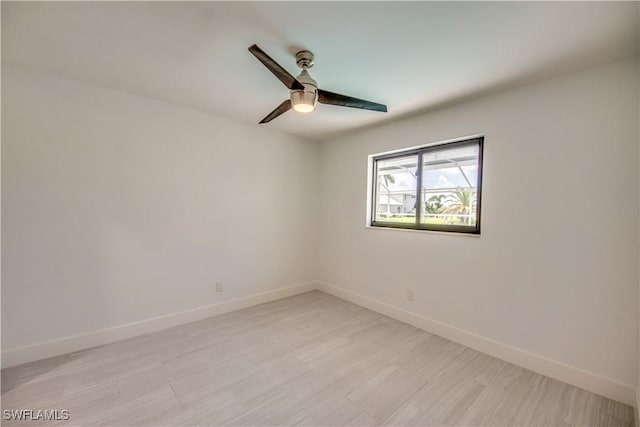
(450, 186)
(395, 196)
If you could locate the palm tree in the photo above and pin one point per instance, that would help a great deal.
(459, 202)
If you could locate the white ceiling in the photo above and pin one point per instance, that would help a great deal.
(411, 55)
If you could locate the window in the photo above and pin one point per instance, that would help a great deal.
(437, 187)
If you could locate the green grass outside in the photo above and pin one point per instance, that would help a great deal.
(412, 220)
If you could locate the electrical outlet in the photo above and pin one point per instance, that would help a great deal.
(219, 287)
(410, 295)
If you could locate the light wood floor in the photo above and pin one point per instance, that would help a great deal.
(311, 359)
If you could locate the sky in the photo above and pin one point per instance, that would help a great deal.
(436, 178)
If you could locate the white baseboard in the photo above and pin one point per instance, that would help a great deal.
(590, 381)
(73, 343)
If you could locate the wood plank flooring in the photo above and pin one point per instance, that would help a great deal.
(312, 359)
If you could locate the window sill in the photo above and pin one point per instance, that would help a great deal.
(413, 230)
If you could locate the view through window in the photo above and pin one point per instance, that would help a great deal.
(437, 187)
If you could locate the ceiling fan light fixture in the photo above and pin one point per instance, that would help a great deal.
(304, 101)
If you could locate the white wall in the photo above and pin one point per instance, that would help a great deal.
(117, 208)
(555, 272)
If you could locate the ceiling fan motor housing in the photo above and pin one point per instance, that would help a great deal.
(304, 59)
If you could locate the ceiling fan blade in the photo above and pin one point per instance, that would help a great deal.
(326, 97)
(282, 74)
(280, 109)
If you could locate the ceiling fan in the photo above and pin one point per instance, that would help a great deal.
(304, 90)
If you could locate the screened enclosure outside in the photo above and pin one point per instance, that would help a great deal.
(434, 188)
